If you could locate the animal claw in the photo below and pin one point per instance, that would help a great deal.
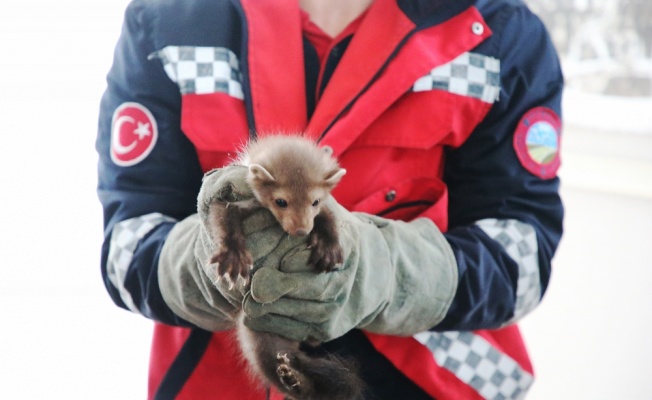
(228, 280)
(285, 373)
(241, 280)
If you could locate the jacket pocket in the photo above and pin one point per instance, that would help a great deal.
(425, 119)
(407, 200)
(418, 120)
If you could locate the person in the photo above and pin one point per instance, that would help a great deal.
(446, 116)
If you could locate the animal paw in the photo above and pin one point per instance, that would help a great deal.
(233, 266)
(286, 374)
(326, 252)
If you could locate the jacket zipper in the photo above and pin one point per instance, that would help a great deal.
(244, 70)
(368, 85)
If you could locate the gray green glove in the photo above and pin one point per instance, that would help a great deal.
(398, 278)
(188, 283)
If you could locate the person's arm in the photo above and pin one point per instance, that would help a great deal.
(143, 190)
(505, 213)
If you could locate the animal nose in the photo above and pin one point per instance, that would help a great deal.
(301, 232)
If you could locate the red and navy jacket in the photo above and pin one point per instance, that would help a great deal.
(445, 109)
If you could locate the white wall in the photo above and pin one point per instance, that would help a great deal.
(61, 335)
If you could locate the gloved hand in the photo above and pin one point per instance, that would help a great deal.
(398, 278)
(189, 283)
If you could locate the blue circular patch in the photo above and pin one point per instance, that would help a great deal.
(542, 142)
(537, 142)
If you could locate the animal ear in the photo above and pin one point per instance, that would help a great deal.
(334, 178)
(261, 173)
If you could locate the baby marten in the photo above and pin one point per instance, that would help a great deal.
(291, 176)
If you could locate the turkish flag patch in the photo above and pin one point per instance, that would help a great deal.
(537, 142)
(133, 134)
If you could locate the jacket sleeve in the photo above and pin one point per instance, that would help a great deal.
(142, 201)
(505, 222)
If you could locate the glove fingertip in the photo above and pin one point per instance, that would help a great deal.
(251, 308)
(269, 284)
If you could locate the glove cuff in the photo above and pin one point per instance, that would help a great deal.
(184, 285)
(426, 278)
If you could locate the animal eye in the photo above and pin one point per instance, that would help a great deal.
(281, 203)
(315, 203)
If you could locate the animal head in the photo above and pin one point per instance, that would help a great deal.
(293, 196)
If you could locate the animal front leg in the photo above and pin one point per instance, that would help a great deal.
(232, 258)
(326, 250)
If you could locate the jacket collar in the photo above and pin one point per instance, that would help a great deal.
(392, 48)
(427, 13)
(379, 35)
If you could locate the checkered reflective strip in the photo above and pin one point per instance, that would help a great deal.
(124, 240)
(470, 74)
(474, 361)
(519, 241)
(202, 70)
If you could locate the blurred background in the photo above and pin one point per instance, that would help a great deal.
(61, 335)
(589, 338)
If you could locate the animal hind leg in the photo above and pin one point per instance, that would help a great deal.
(288, 376)
(323, 377)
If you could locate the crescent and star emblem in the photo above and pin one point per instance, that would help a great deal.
(133, 134)
(141, 131)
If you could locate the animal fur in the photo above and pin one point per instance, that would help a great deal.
(291, 176)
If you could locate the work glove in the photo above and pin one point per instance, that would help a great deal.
(188, 282)
(398, 278)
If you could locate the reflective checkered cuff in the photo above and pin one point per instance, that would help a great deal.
(125, 238)
(519, 240)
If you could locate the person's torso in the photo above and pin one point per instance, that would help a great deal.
(413, 81)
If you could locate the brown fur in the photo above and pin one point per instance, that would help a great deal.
(290, 176)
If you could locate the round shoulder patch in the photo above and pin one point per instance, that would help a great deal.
(537, 142)
(133, 134)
